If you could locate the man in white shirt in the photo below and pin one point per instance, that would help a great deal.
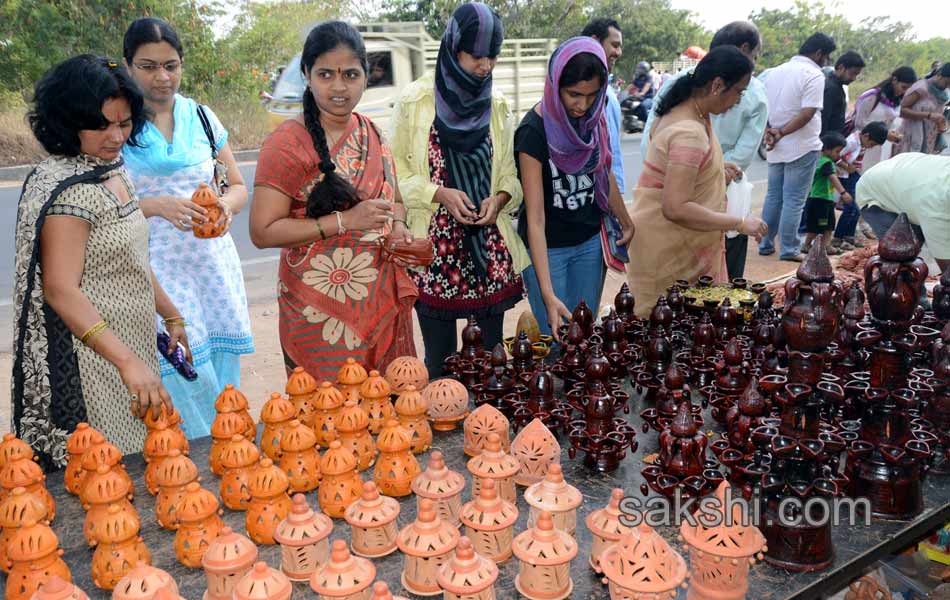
(795, 92)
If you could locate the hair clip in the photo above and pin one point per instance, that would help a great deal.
(112, 65)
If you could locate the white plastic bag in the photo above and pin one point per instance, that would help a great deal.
(738, 201)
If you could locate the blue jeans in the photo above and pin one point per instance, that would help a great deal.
(784, 202)
(848, 223)
(577, 273)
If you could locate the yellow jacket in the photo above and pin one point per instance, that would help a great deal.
(413, 115)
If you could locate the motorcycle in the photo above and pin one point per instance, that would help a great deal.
(629, 108)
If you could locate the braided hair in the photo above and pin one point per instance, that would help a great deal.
(332, 192)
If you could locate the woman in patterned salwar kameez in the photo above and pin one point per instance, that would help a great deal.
(325, 191)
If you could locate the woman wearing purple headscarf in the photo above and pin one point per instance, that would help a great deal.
(564, 165)
(452, 143)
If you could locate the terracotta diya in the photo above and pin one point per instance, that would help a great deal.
(643, 566)
(56, 588)
(17, 509)
(484, 420)
(176, 472)
(556, 496)
(304, 540)
(276, 415)
(118, 549)
(344, 577)
(341, 481)
(381, 592)
(443, 486)
(495, 463)
(446, 402)
(228, 558)
(535, 447)
(411, 411)
(263, 583)
(375, 400)
(24, 472)
(353, 430)
(145, 582)
(199, 522)
(238, 458)
(545, 555)
(231, 400)
(606, 527)
(489, 522)
(396, 466)
(427, 544)
(372, 519)
(104, 488)
(349, 379)
(300, 458)
(79, 441)
(269, 503)
(34, 556)
(300, 387)
(406, 371)
(223, 429)
(158, 444)
(327, 402)
(467, 575)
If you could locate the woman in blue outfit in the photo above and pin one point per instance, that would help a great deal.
(202, 276)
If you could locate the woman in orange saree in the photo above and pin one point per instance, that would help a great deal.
(325, 192)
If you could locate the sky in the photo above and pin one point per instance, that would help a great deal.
(930, 18)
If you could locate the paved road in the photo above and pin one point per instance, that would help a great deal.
(9, 193)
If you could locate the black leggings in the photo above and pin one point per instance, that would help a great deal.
(440, 338)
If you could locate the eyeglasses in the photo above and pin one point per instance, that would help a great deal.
(171, 66)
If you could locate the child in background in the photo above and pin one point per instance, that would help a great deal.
(849, 172)
(820, 206)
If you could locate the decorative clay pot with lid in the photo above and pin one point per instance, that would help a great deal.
(375, 400)
(490, 522)
(35, 556)
(304, 540)
(555, 496)
(405, 371)
(605, 527)
(349, 379)
(269, 503)
(643, 566)
(443, 486)
(353, 430)
(12, 448)
(118, 549)
(56, 588)
(231, 400)
(79, 441)
(535, 447)
(495, 463)
(341, 480)
(159, 443)
(411, 410)
(484, 420)
(145, 582)
(199, 523)
(300, 458)
(175, 473)
(427, 544)
(301, 387)
(381, 592)
(328, 402)
(104, 488)
(24, 472)
(170, 419)
(396, 466)
(344, 576)
(447, 403)
(229, 557)
(207, 198)
(17, 509)
(545, 554)
(224, 427)
(372, 519)
(468, 575)
(263, 583)
(239, 458)
(103, 453)
(276, 415)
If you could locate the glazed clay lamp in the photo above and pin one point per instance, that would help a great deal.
(643, 566)
(489, 522)
(301, 387)
(468, 575)
(349, 379)
(304, 540)
(447, 403)
(159, 442)
(79, 441)
(484, 420)
(545, 555)
(231, 400)
(199, 523)
(176, 472)
(396, 466)
(239, 458)
(145, 582)
(106, 487)
(443, 486)
(223, 429)
(119, 547)
(405, 371)
(344, 577)
(353, 430)
(427, 544)
(263, 583)
(381, 592)
(34, 557)
(556, 496)
(25, 472)
(56, 588)
(494, 463)
(535, 448)
(411, 411)
(327, 404)
(229, 558)
(375, 400)
(606, 528)
(276, 415)
(269, 503)
(341, 480)
(300, 458)
(17, 509)
(720, 555)
(372, 520)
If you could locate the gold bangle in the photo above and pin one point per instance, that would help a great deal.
(323, 234)
(92, 332)
(175, 321)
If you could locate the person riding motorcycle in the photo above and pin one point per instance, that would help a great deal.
(641, 89)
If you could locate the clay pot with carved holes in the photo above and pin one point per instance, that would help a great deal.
(103, 453)
(556, 496)
(79, 441)
(24, 472)
(170, 418)
(239, 459)
(544, 553)
(223, 429)
(427, 544)
(174, 475)
(484, 420)
(12, 448)
(17, 509)
(199, 523)
(263, 583)
(56, 588)
(106, 487)
(344, 577)
(158, 444)
(396, 466)
(494, 463)
(327, 402)
(372, 519)
(145, 582)
(606, 528)
(353, 430)
(300, 388)
(119, 548)
(276, 415)
(269, 503)
(341, 481)
(468, 575)
(643, 565)
(375, 400)
(447, 403)
(229, 558)
(35, 556)
(304, 538)
(349, 379)
(535, 447)
(205, 197)
(490, 522)
(381, 592)
(405, 371)
(443, 486)
(411, 411)
(231, 400)
(300, 458)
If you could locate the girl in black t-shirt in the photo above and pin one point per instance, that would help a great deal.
(564, 160)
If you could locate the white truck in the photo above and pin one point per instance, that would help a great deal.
(399, 53)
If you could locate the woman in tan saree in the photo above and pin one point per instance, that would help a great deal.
(680, 200)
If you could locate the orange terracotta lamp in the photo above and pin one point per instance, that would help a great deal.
(57, 588)
(536, 448)
(231, 400)
(327, 402)
(494, 463)
(556, 496)
(118, 549)
(145, 582)
(443, 486)
(468, 575)
(407, 371)
(349, 379)
(545, 555)
(79, 441)
(17, 509)
(396, 466)
(643, 566)
(427, 544)
(229, 558)
(344, 577)
(372, 519)
(35, 556)
(263, 583)
(269, 503)
(159, 443)
(490, 522)
(375, 400)
(353, 430)
(103, 489)
(223, 429)
(606, 528)
(13, 448)
(411, 411)
(300, 458)
(276, 415)
(341, 481)
(239, 459)
(102, 453)
(484, 420)
(23, 471)
(304, 538)
(301, 387)
(176, 472)
(199, 523)
(447, 403)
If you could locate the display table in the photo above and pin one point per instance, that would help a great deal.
(855, 547)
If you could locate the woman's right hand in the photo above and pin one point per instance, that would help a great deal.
(754, 227)
(178, 211)
(368, 215)
(145, 388)
(936, 117)
(556, 313)
(459, 205)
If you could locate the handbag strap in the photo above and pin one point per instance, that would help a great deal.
(206, 125)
